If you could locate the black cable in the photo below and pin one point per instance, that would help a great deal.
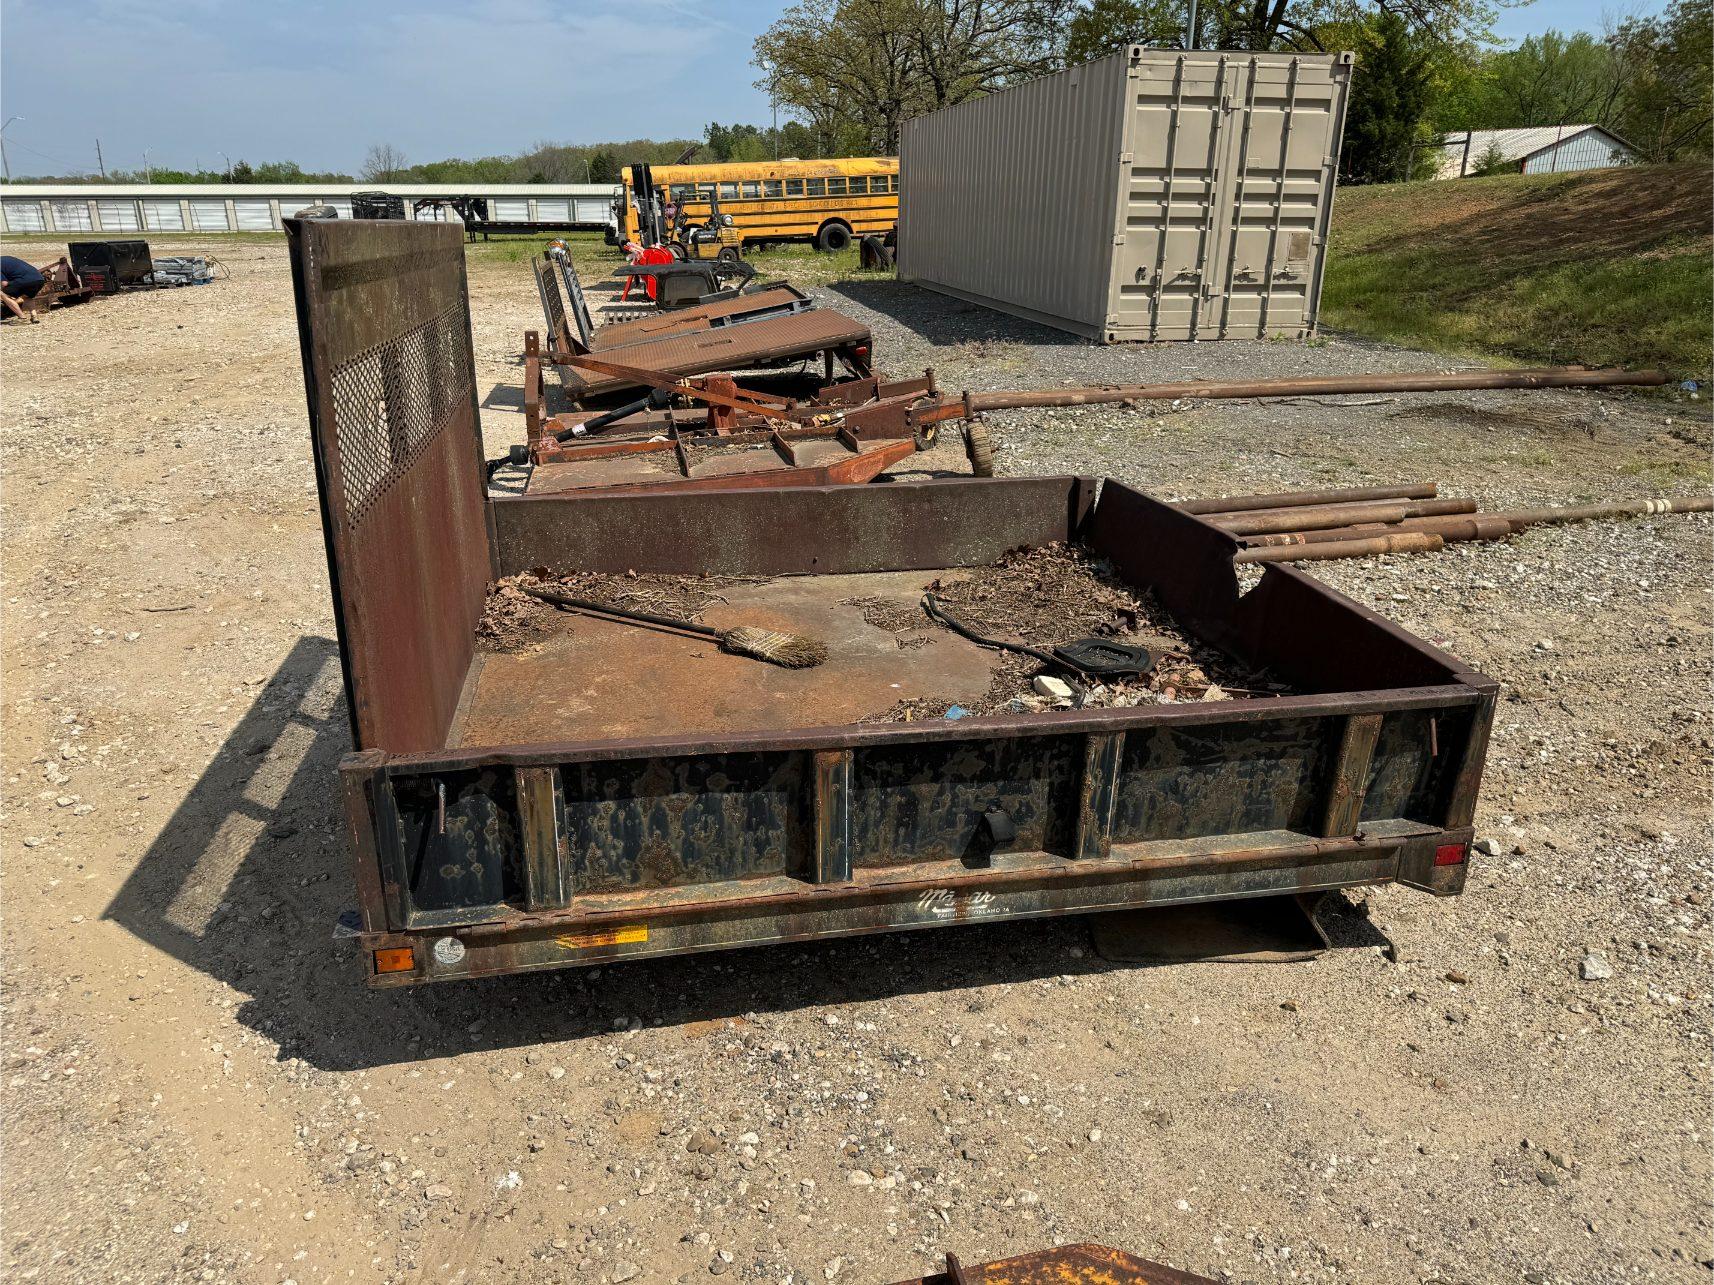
(939, 614)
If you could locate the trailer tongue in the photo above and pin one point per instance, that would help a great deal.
(604, 796)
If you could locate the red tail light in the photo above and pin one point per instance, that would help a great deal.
(1451, 854)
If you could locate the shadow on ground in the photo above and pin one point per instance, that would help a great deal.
(248, 879)
(942, 319)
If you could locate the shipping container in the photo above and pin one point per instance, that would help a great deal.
(1151, 195)
(610, 794)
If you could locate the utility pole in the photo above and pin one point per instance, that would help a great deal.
(5, 165)
(99, 163)
(1190, 28)
(148, 174)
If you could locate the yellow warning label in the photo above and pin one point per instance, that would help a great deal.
(603, 937)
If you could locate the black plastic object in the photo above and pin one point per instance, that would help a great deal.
(124, 264)
(377, 205)
(1104, 658)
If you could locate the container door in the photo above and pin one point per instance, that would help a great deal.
(1167, 251)
(1282, 152)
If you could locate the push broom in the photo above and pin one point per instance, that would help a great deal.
(793, 651)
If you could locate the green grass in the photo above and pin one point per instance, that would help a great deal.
(1610, 267)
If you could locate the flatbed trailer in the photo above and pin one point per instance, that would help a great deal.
(607, 797)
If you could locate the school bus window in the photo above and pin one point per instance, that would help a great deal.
(836, 187)
(728, 191)
(815, 186)
(770, 187)
(752, 188)
(859, 186)
(794, 187)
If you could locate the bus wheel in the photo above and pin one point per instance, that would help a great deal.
(833, 238)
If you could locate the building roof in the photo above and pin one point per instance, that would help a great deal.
(1515, 144)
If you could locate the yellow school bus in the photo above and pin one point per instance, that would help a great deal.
(824, 202)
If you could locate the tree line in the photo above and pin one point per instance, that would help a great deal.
(846, 74)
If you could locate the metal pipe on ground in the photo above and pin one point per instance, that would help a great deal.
(1520, 518)
(1426, 381)
(1476, 526)
(1319, 517)
(1408, 542)
(1294, 499)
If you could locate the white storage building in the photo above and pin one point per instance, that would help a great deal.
(258, 207)
(1545, 149)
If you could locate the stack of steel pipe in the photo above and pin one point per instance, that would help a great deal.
(1356, 522)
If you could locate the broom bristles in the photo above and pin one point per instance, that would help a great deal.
(790, 650)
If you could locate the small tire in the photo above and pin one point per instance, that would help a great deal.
(728, 254)
(833, 238)
(979, 449)
(678, 252)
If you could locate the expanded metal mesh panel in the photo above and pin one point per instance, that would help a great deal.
(384, 320)
(579, 304)
(391, 401)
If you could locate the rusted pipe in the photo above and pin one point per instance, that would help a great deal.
(1422, 381)
(1520, 518)
(1294, 499)
(1408, 542)
(1321, 517)
(1475, 526)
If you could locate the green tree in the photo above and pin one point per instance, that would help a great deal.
(1551, 79)
(1389, 95)
(1106, 26)
(1667, 106)
(1491, 160)
(603, 166)
(856, 70)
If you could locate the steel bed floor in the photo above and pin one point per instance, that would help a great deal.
(594, 679)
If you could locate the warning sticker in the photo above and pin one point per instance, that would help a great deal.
(603, 937)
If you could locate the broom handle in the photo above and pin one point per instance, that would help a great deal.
(601, 608)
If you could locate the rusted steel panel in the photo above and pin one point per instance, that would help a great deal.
(670, 822)
(928, 802)
(1193, 782)
(657, 925)
(744, 347)
(1350, 776)
(790, 530)
(702, 316)
(1064, 1265)
(384, 323)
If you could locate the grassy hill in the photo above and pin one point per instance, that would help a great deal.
(1607, 267)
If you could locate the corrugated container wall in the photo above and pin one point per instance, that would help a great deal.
(1153, 194)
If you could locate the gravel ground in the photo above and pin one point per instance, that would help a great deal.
(200, 1089)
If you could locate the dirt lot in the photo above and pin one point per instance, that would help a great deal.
(198, 1087)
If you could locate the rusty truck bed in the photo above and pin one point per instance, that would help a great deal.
(608, 796)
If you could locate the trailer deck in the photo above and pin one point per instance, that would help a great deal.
(613, 799)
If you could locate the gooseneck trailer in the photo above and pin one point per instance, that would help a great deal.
(610, 796)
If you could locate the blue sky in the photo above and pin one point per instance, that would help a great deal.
(318, 81)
